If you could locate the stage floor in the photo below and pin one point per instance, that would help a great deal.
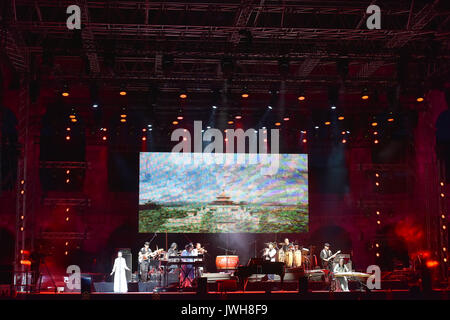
(240, 295)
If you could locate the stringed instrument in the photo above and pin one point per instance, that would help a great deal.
(148, 255)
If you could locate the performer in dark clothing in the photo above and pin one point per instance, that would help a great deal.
(144, 262)
(325, 255)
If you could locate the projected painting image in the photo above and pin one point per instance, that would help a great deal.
(176, 195)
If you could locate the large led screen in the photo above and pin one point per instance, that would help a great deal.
(186, 192)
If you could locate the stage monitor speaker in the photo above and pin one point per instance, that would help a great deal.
(202, 285)
(303, 284)
(86, 284)
(126, 253)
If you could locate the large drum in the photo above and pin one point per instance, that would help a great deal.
(227, 262)
(297, 258)
(289, 259)
(280, 256)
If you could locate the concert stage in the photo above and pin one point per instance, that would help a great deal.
(243, 149)
(247, 295)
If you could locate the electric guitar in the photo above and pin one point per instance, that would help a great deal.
(327, 260)
(146, 256)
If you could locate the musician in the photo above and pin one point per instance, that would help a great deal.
(325, 255)
(144, 263)
(170, 253)
(341, 267)
(287, 245)
(187, 274)
(270, 253)
(198, 250)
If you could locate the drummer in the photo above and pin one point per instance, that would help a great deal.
(287, 246)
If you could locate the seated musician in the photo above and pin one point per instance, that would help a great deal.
(144, 262)
(338, 268)
(187, 270)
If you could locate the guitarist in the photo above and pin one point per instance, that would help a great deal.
(326, 256)
(144, 262)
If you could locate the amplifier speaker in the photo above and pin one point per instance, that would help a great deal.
(86, 283)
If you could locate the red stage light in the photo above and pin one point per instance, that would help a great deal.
(25, 262)
(67, 137)
(24, 252)
(104, 138)
(144, 138)
(432, 264)
(304, 141)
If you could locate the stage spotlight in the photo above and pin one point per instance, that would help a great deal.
(67, 137)
(365, 94)
(374, 124)
(104, 138)
(344, 141)
(65, 90)
(333, 107)
(375, 133)
(390, 119)
(238, 117)
(278, 124)
(175, 122)
(269, 107)
(420, 95)
(230, 122)
(301, 95)
(180, 118)
(376, 142)
(93, 89)
(144, 138)
(123, 91)
(183, 94)
(123, 120)
(316, 127)
(245, 94)
(340, 118)
(304, 141)
(327, 123)
(214, 107)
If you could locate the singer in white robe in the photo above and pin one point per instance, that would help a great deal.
(120, 279)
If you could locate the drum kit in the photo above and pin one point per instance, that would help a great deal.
(294, 256)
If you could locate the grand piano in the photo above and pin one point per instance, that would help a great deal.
(258, 266)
